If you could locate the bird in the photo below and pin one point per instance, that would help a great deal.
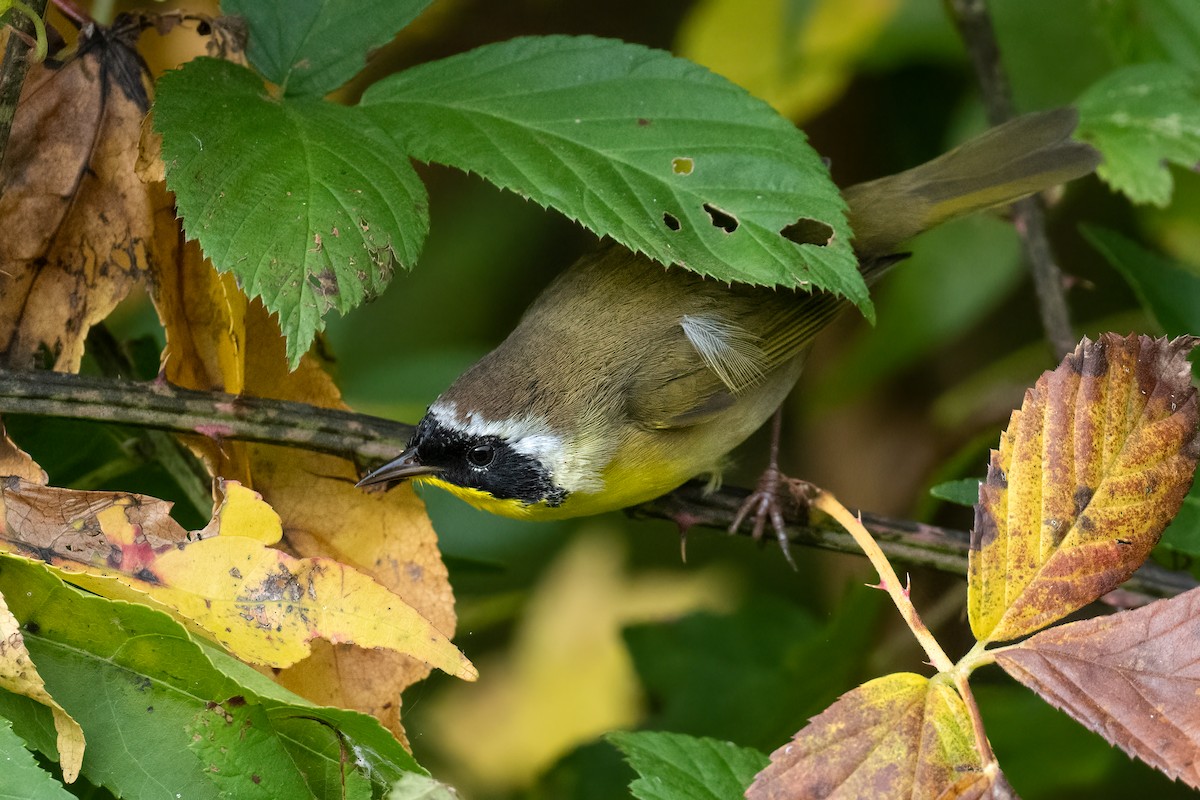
(626, 378)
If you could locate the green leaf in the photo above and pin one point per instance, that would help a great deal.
(654, 151)
(311, 47)
(22, 778)
(143, 690)
(1140, 117)
(243, 754)
(308, 203)
(677, 767)
(1168, 290)
(964, 492)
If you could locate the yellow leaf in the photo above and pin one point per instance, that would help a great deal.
(19, 675)
(264, 605)
(901, 735)
(1089, 472)
(235, 346)
(798, 65)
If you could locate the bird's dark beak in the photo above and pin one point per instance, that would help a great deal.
(406, 465)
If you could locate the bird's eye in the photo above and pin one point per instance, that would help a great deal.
(481, 455)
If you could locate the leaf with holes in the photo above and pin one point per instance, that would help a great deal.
(308, 203)
(1091, 469)
(901, 735)
(652, 150)
(1131, 677)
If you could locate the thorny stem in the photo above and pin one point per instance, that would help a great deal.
(979, 36)
(369, 440)
(891, 584)
(15, 65)
(827, 503)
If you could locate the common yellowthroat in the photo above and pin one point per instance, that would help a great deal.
(624, 378)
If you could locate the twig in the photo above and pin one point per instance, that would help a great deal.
(371, 440)
(888, 580)
(214, 414)
(15, 66)
(914, 543)
(974, 25)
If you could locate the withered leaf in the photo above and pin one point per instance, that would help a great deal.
(901, 735)
(16, 462)
(229, 344)
(225, 582)
(1091, 469)
(78, 222)
(1132, 677)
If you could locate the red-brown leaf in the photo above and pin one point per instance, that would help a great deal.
(1133, 678)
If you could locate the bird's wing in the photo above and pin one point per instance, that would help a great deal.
(714, 355)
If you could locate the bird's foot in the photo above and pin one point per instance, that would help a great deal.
(767, 501)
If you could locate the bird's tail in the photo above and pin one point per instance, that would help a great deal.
(1022, 156)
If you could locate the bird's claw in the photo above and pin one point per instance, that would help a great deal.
(766, 503)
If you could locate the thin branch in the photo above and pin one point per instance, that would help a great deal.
(215, 414)
(913, 543)
(888, 580)
(15, 66)
(371, 439)
(974, 25)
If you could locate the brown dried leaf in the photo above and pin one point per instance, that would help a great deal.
(897, 736)
(78, 222)
(16, 462)
(1089, 472)
(235, 346)
(1132, 677)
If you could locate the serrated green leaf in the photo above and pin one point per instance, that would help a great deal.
(1139, 118)
(654, 151)
(22, 778)
(138, 683)
(964, 492)
(308, 203)
(1168, 290)
(677, 767)
(311, 47)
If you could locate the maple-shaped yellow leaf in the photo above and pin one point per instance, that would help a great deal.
(225, 582)
(901, 735)
(1089, 472)
(19, 675)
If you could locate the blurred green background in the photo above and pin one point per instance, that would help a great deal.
(587, 626)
